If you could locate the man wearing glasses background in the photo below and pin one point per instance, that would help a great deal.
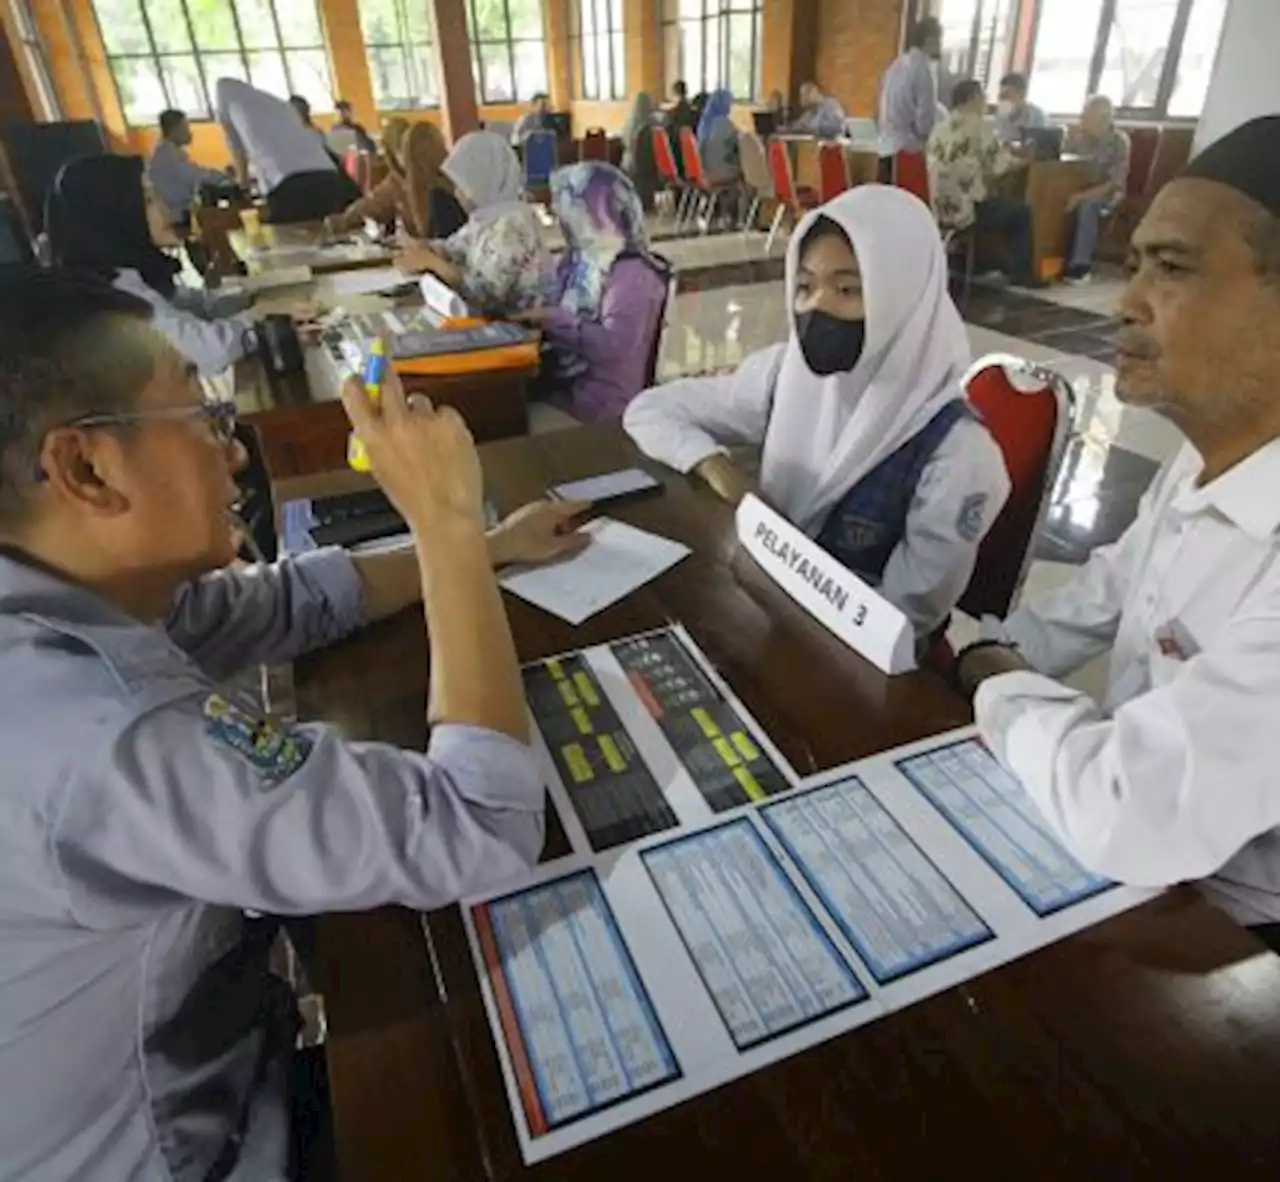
(142, 811)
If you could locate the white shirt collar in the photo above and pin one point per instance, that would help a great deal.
(1248, 494)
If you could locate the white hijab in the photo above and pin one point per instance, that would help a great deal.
(484, 167)
(826, 433)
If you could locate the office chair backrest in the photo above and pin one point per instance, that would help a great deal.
(755, 164)
(1028, 410)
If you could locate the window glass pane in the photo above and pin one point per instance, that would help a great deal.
(222, 65)
(1199, 49)
(1063, 53)
(691, 8)
(266, 72)
(495, 68)
(182, 78)
(691, 54)
(712, 66)
(142, 93)
(490, 23)
(619, 66)
(590, 68)
(587, 17)
(300, 23)
(417, 19)
(1137, 42)
(526, 18)
(992, 58)
(122, 27)
(168, 26)
(531, 68)
(615, 15)
(389, 77)
(378, 22)
(213, 24)
(740, 56)
(256, 25)
(422, 74)
(309, 77)
(957, 36)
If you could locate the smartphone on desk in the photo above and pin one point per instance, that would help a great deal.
(628, 484)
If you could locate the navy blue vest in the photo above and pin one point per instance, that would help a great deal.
(868, 522)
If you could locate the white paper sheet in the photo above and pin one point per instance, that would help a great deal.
(759, 931)
(619, 559)
(366, 281)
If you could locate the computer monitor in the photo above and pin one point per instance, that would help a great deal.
(1045, 142)
(557, 122)
(766, 123)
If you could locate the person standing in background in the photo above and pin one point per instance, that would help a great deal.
(680, 113)
(534, 120)
(909, 96)
(1014, 115)
(820, 114)
(175, 177)
(346, 133)
(1101, 142)
(638, 160)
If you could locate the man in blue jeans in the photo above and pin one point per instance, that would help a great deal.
(1099, 141)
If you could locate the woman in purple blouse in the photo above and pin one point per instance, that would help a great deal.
(605, 297)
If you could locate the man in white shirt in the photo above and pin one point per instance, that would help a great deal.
(1173, 776)
(909, 93)
(270, 143)
(175, 177)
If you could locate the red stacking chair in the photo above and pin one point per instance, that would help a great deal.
(1028, 410)
(790, 200)
(911, 172)
(595, 145)
(833, 171)
(706, 192)
(665, 159)
(358, 166)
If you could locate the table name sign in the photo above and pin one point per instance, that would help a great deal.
(832, 593)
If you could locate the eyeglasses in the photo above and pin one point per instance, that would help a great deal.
(221, 417)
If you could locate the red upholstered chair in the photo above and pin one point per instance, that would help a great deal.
(358, 166)
(911, 172)
(595, 145)
(833, 171)
(665, 159)
(1028, 410)
(790, 200)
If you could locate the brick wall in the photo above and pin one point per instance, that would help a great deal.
(856, 41)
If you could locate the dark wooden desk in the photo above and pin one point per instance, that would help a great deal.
(1147, 1047)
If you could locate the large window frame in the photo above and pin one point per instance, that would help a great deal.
(712, 22)
(486, 94)
(415, 52)
(48, 106)
(1017, 30)
(601, 50)
(239, 58)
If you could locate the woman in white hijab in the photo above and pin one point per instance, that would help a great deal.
(869, 445)
(497, 262)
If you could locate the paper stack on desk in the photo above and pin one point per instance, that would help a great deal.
(619, 559)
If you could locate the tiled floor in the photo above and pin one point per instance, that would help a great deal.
(730, 303)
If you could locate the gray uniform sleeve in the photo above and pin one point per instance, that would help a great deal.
(197, 799)
(961, 492)
(266, 614)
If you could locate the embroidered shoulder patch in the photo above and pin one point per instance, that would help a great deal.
(971, 517)
(275, 753)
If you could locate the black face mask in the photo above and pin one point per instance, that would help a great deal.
(829, 344)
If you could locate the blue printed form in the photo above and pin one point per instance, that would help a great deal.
(762, 955)
(580, 1029)
(890, 901)
(994, 814)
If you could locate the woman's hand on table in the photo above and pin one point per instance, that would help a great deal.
(724, 478)
(539, 532)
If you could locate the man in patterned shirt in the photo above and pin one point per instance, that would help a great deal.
(965, 158)
(1101, 142)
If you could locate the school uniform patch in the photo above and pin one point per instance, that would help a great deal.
(973, 511)
(276, 753)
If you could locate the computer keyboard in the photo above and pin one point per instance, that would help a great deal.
(346, 506)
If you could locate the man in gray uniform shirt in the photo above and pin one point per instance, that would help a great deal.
(142, 811)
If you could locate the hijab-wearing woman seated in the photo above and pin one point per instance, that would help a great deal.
(101, 216)
(605, 298)
(497, 262)
(414, 190)
(719, 139)
(868, 442)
